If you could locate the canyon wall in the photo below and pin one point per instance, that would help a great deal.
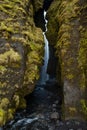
(67, 32)
(21, 54)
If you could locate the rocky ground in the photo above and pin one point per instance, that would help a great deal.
(44, 112)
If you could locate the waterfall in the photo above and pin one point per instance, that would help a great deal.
(44, 76)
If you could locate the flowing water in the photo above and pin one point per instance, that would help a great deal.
(44, 76)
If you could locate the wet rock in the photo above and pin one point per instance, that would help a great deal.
(41, 116)
(56, 102)
(39, 126)
(54, 105)
(47, 119)
(71, 125)
(79, 129)
(48, 97)
(67, 123)
(54, 115)
(50, 129)
(54, 109)
(77, 122)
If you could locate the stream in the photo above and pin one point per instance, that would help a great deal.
(43, 75)
(43, 110)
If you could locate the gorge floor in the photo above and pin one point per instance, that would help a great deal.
(44, 112)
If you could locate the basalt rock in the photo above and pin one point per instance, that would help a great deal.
(21, 54)
(67, 32)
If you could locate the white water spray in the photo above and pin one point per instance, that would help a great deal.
(44, 76)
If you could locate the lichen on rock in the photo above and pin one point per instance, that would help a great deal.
(70, 41)
(21, 54)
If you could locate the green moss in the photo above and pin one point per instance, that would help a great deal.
(34, 58)
(22, 103)
(33, 63)
(82, 59)
(72, 110)
(10, 113)
(21, 54)
(6, 115)
(2, 69)
(84, 107)
(2, 117)
(69, 17)
(9, 56)
(16, 100)
(83, 49)
(5, 28)
(4, 103)
(2, 84)
(70, 76)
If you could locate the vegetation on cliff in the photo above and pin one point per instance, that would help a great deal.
(69, 18)
(21, 54)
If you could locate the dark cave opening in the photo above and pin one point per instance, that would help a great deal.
(47, 4)
(52, 63)
(39, 19)
(39, 15)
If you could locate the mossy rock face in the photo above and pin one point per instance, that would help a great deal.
(70, 41)
(37, 4)
(2, 117)
(21, 54)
